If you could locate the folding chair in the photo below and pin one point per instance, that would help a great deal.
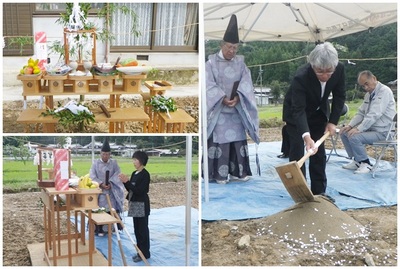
(390, 141)
(335, 137)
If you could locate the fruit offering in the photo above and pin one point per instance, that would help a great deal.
(31, 68)
(86, 182)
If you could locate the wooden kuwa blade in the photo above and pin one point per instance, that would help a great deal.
(293, 179)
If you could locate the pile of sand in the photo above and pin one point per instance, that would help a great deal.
(314, 222)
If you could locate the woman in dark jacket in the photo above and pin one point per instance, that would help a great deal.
(139, 202)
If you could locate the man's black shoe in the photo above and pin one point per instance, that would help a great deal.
(328, 197)
(137, 258)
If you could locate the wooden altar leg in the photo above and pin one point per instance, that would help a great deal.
(46, 229)
(117, 99)
(76, 232)
(53, 229)
(68, 201)
(111, 128)
(161, 125)
(58, 225)
(49, 101)
(91, 238)
(83, 228)
(109, 258)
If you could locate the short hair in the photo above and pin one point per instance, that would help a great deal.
(366, 73)
(323, 56)
(141, 156)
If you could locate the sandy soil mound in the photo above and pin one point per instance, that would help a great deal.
(314, 222)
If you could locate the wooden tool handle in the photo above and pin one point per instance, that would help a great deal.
(105, 110)
(159, 83)
(310, 152)
(116, 215)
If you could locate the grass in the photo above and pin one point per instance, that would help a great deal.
(18, 176)
(271, 115)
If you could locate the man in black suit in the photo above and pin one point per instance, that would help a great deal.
(307, 112)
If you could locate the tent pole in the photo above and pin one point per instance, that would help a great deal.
(188, 197)
(254, 22)
(203, 120)
(93, 148)
(217, 8)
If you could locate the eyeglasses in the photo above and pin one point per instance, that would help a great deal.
(231, 48)
(323, 72)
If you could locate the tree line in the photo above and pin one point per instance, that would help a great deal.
(375, 50)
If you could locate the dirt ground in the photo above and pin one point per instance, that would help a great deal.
(220, 244)
(12, 110)
(220, 239)
(23, 217)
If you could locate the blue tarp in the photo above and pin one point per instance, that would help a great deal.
(265, 195)
(167, 239)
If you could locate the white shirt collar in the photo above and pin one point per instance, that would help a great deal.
(222, 56)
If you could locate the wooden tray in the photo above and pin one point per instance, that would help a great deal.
(157, 86)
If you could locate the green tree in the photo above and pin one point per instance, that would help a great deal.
(276, 91)
(19, 151)
(370, 50)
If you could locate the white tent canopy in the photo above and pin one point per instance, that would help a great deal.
(313, 22)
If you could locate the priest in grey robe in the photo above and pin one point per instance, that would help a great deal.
(231, 111)
(105, 171)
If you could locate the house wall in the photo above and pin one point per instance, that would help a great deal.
(170, 62)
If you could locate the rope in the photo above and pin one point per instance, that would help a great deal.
(159, 147)
(305, 56)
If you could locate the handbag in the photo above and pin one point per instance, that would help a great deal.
(136, 209)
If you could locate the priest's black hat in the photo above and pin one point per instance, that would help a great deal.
(106, 146)
(232, 33)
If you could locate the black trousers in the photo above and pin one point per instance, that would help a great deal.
(285, 147)
(142, 234)
(317, 162)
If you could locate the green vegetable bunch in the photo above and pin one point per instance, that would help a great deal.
(160, 103)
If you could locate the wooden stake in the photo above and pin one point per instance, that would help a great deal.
(105, 110)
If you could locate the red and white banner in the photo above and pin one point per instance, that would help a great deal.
(61, 170)
(41, 49)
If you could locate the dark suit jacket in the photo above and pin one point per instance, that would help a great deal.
(139, 185)
(303, 98)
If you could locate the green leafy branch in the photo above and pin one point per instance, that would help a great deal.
(21, 41)
(70, 121)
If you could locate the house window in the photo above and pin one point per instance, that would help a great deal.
(161, 27)
(17, 23)
(57, 8)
